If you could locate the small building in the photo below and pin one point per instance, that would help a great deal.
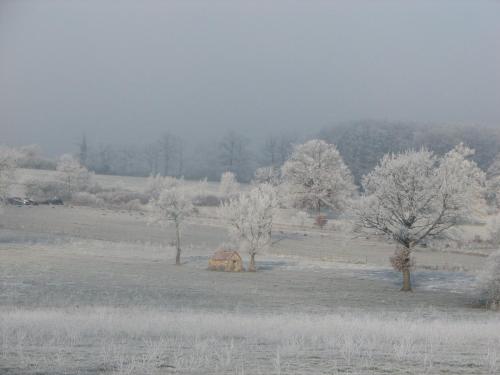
(225, 260)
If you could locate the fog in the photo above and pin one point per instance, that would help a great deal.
(124, 72)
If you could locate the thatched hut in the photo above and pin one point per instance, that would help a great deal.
(225, 260)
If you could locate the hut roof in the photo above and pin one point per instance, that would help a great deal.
(225, 255)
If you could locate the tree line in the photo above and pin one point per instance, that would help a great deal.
(360, 144)
(171, 155)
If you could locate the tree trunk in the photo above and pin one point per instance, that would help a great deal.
(402, 261)
(251, 267)
(178, 244)
(406, 280)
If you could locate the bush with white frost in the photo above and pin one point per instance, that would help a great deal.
(7, 171)
(40, 190)
(267, 175)
(493, 183)
(416, 195)
(228, 185)
(30, 157)
(84, 198)
(493, 230)
(315, 176)
(156, 184)
(74, 176)
(250, 219)
(488, 283)
(172, 205)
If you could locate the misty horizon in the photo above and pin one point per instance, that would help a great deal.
(127, 74)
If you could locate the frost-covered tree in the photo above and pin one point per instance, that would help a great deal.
(156, 184)
(493, 182)
(250, 219)
(267, 175)
(30, 156)
(415, 195)
(228, 185)
(173, 204)
(73, 175)
(488, 282)
(315, 176)
(7, 171)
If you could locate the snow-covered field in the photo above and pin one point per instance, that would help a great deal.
(88, 290)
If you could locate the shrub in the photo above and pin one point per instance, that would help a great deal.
(493, 228)
(488, 283)
(43, 190)
(156, 184)
(119, 198)
(228, 187)
(84, 198)
(209, 200)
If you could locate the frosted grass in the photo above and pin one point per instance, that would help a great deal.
(147, 341)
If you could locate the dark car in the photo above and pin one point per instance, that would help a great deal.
(17, 201)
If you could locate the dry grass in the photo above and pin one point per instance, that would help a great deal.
(135, 341)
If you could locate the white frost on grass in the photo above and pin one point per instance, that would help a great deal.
(143, 341)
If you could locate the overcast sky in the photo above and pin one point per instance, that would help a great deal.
(124, 71)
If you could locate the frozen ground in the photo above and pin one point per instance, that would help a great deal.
(89, 291)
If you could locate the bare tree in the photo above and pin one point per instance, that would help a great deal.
(180, 157)
(126, 158)
(83, 151)
(285, 147)
(416, 195)
(103, 159)
(234, 155)
(172, 151)
(152, 155)
(270, 151)
(167, 146)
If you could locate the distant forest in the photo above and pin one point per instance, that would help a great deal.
(361, 145)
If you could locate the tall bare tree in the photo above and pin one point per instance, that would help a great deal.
(83, 151)
(167, 146)
(234, 155)
(270, 151)
(285, 147)
(152, 155)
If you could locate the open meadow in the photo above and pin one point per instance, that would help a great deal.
(93, 290)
